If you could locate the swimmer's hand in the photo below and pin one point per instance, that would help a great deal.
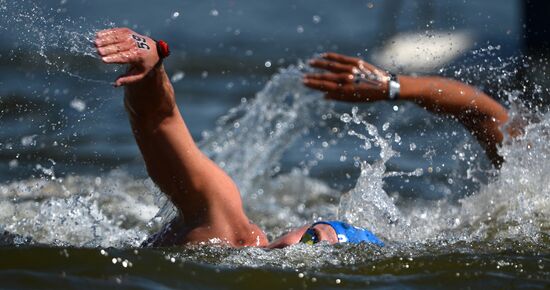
(348, 79)
(124, 46)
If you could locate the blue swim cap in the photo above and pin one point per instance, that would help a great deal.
(349, 234)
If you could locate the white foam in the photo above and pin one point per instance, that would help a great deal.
(114, 209)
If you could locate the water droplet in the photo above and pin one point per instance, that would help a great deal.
(346, 118)
(267, 63)
(175, 15)
(397, 138)
(13, 163)
(300, 29)
(78, 105)
(28, 140)
(316, 19)
(395, 108)
(214, 12)
(178, 76)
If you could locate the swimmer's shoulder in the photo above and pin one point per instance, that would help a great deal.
(177, 233)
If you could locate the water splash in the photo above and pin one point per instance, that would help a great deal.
(63, 44)
(79, 210)
(256, 134)
(367, 204)
(249, 144)
(514, 205)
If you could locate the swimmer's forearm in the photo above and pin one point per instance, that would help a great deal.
(478, 112)
(447, 96)
(169, 151)
(150, 100)
(351, 79)
(158, 128)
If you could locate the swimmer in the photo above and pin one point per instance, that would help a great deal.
(208, 201)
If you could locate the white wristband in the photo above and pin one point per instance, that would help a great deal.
(394, 87)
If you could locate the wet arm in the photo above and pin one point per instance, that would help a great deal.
(479, 113)
(207, 198)
(173, 160)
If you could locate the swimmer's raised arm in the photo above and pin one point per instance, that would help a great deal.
(479, 113)
(207, 198)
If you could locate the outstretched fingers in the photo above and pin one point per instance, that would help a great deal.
(333, 90)
(111, 36)
(124, 46)
(115, 48)
(130, 56)
(338, 78)
(321, 85)
(341, 58)
(108, 39)
(331, 66)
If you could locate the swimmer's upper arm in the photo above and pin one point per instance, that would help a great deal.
(479, 113)
(207, 198)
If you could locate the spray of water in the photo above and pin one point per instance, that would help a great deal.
(113, 210)
(61, 43)
(117, 210)
(256, 134)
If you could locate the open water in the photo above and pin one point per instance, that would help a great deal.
(75, 201)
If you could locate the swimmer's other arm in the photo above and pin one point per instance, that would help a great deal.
(479, 113)
(207, 198)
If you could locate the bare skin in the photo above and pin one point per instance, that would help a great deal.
(209, 203)
(203, 193)
(208, 200)
(479, 113)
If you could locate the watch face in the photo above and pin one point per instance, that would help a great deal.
(309, 237)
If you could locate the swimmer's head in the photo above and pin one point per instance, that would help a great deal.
(345, 233)
(332, 232)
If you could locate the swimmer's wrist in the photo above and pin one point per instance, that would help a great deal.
(163, 51)
(414, 89)
(393, 87)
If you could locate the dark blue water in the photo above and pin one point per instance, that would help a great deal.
(71, 174)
